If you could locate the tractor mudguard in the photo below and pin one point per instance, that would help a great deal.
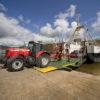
(40, 53)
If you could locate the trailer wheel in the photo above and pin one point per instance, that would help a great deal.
(15, 64)
(43, 60)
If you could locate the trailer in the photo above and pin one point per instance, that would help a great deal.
(73, 53)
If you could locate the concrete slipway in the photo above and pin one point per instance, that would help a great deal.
(29, 84)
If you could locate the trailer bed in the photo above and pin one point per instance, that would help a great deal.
(63, 63)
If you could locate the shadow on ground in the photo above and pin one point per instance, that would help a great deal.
(93, 68)
(90, 68)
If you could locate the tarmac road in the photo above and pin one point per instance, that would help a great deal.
(29, 84)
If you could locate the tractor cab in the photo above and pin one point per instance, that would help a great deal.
(35, 47)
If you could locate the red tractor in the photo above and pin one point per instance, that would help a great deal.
(17, 58)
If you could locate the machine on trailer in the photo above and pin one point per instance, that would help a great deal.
(78, 46)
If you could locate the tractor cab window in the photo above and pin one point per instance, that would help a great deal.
(35, 47)
(38, 47)
(31, 45)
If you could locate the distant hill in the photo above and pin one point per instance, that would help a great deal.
(98, 41)
(3, 47)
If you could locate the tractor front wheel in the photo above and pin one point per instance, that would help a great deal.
(15, 64)
(43, 61)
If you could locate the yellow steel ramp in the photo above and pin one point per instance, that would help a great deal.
(46, 69)
(52, 68)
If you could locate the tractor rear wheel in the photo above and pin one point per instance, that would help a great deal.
(15, 64)
(43, 60)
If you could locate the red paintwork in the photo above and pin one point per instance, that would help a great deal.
(40, 53)
(12, 52)
(56, 55)
(72, 55)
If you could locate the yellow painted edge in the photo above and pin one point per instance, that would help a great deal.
(66, 65)
(47, 69)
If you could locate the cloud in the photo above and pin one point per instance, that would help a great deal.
(62, 29)
(2, 8)
(70, 12)
(8, 41)
(24, 20)
(12, 33)
(36, 26)
(10, 28)
(21, 18)
(61, 25)
(96, 24)
(47, 30)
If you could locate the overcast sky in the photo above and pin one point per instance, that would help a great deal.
(45, 20)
